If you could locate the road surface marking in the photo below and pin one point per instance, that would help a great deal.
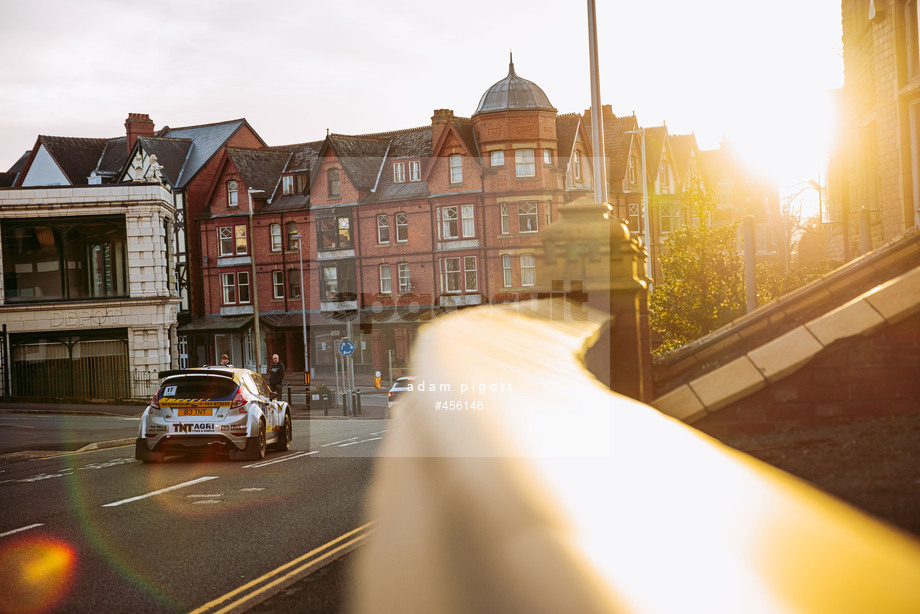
(161, 491)
(31, 526)
(362, 441)
(308, 562)
(279, 460)
(337, 442)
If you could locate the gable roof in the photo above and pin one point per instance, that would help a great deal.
(260, 168)
(566, 134)
(206, 140)
(655, 143)
(682, 147)
(361, 157)
(76, 157)
(827, 303)
(410, 144)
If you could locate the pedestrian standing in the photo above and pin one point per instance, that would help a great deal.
(276, 374)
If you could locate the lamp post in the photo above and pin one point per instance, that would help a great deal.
(303, 305)
(255, 286)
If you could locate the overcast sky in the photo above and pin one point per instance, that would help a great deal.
(756, 73)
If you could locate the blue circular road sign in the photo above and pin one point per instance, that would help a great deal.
(347, 348)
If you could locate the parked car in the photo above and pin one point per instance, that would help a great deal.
(221, 409)
(399, 387)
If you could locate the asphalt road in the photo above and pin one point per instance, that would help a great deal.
(97, 531)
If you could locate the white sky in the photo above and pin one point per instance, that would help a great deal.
(756, 73)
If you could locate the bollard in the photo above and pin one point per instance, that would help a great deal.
(344, 404)
(358, 401)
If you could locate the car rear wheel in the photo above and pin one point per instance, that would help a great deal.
(255, 447)
(285, 435)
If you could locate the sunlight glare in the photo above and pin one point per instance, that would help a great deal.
(35, 575)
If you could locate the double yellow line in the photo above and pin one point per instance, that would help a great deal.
(277, 579)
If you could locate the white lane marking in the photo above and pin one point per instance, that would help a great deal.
(206, 502)
(161, 491)
(362, 441)
(337, 442)
(251, 489)
(31, 526)
(279, 460)
(203, 496)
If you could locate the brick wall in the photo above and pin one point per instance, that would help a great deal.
(866, 378)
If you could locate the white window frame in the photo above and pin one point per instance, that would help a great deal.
(548, 157)
(453, 272)
(287, 185)
(383, 228)
(456, 168)
(402, 227)
(228, 289)
(470, 276)
(233, 194)
(506, 271)
(467, 221)
(525, 164)
(225, 244)
(497, 158)
(278, 284)
(386, 279)
(527, 212)
(240, 284)
(671, 213)
(528, 270)
(415, 170)
(576, 165)
(405, 283)
(399, 172)
(449, 226)
(549, 213)
(505, 218)
(290, 229)
(275, 232)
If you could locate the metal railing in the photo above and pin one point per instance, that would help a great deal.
(514, 481)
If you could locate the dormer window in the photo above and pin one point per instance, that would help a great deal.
(334, 188)
(302, 179)
(287, 185)
(232, 194)
(415, 171)
(399, 172)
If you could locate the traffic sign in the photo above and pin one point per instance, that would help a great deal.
(347, 348)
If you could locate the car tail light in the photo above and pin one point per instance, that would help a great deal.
(239, 402)
(155, 401)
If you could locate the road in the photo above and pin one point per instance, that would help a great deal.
(97, 531)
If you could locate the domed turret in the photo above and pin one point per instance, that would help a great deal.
(513, 94)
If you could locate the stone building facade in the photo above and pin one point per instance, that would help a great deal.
(88, 291)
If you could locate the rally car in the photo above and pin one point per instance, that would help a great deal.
(220, 409)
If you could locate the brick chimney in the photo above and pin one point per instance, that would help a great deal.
(137, 124)
(439, 123)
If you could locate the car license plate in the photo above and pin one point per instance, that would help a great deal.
(196, 411)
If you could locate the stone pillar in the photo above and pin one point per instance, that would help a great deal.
(598, 255)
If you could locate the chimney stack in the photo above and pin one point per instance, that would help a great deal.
(137, 124)
(439, 122)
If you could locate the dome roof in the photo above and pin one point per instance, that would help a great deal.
(513, 94)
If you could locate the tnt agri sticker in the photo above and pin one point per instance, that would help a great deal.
(197, 427)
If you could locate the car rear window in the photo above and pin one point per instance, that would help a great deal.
(193, 387)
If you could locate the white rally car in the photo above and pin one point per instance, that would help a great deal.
(213, 409)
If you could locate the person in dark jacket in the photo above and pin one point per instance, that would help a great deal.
(276, 374)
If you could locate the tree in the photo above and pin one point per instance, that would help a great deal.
(702, 279)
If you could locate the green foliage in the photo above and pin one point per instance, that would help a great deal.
(773, 282)
(702, 285)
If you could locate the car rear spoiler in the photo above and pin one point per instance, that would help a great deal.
(219, 372)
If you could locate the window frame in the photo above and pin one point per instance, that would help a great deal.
(274, 231)
(402, 227)
(385, 274)
(334, 233)
(525, 163)
(524, 227)
(294, 283)
(504, 218)
(497, 158)
(455, 165)
(383, 231)
(415, 171)
(507, 281)
(342, 292)
(528, 272)
(405, 281)
(548, 157)
(333, 178)
(467, 221)
(445, 224)
(233, 194)
(287, 185)
(399, 172)
(278, 284)
(291, 230)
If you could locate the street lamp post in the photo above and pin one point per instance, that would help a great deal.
(303, 305)
(255, 286)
